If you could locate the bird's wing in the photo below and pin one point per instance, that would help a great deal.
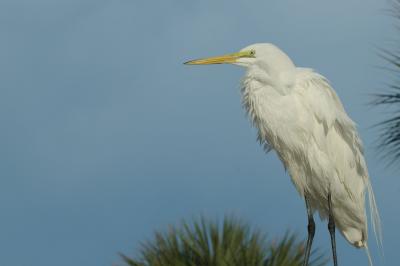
(322, 101)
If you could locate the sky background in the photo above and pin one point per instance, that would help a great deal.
(106, 136)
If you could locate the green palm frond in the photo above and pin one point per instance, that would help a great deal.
(290, 252)
(230, 243)
(389, 141)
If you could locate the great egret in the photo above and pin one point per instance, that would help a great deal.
(299, 115)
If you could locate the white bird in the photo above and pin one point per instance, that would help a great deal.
(299, 115)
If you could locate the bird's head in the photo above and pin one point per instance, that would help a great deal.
(262, 55)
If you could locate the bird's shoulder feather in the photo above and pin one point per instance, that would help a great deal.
(317, 95)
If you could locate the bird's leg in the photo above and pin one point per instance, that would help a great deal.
(311, 232)
(331, 228)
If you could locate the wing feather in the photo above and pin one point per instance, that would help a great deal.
(322, 101)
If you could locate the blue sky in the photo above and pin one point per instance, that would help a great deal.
(106, 136)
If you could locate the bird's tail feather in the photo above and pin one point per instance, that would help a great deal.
(368, 254)
(375, 219)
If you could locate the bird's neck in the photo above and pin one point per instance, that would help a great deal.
(263, 95)
(272, 80)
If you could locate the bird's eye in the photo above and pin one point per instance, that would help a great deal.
(252, 52)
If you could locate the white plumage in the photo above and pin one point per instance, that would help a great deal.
(299, 115)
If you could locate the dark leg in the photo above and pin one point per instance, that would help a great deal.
(331, 228)
(311, 232)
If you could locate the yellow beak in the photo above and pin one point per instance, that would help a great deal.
(223, 59)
